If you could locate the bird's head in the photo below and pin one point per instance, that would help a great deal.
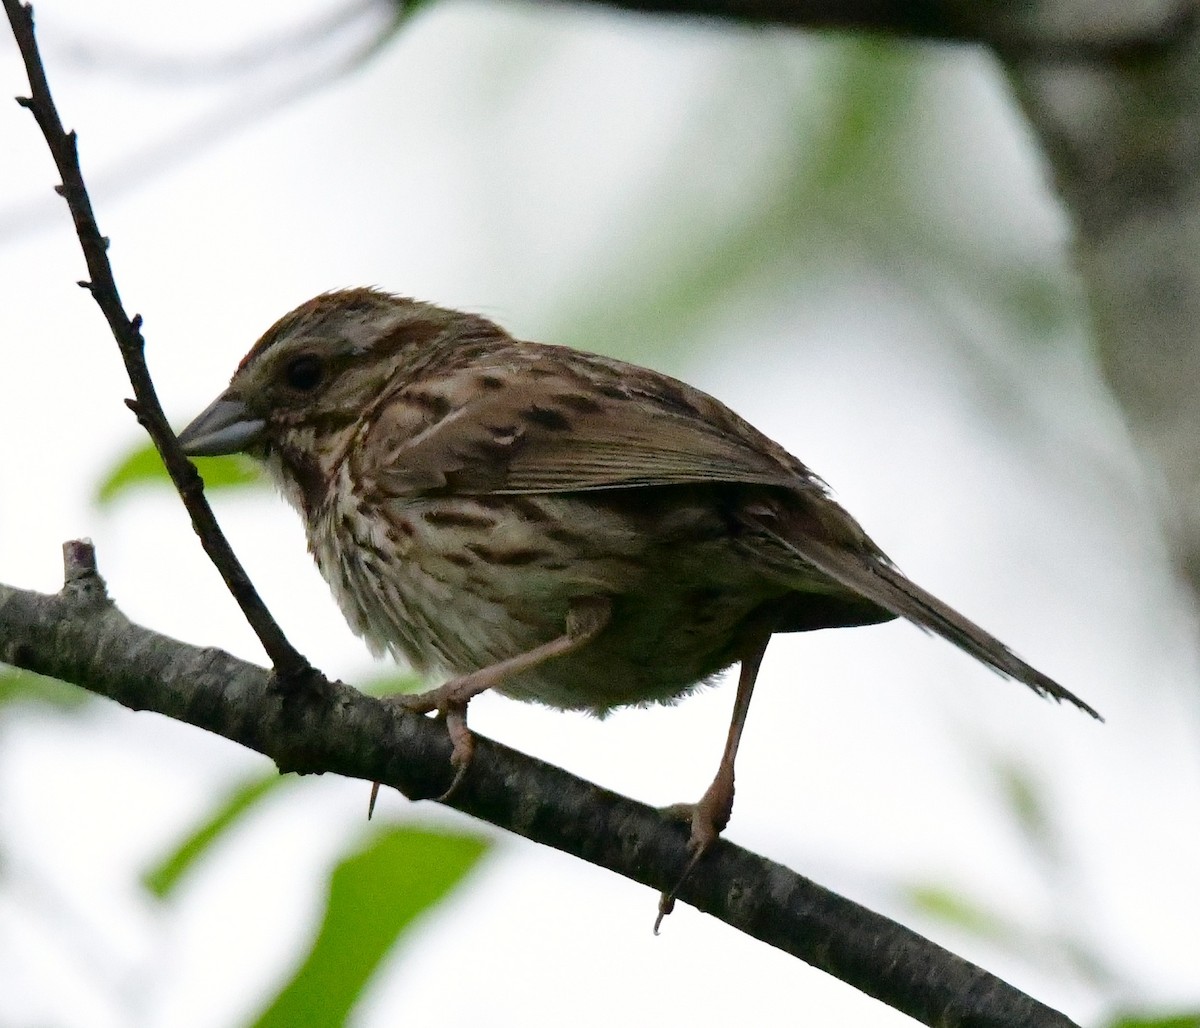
(300, 395)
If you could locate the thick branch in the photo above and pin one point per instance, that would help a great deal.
(80, 637)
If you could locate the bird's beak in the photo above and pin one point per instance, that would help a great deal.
(225, 426)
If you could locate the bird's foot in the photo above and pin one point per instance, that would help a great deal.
(708, 819)
(449, 703)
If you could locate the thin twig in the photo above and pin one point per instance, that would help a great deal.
(289, 664)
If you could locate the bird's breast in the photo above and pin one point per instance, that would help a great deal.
(457, 583)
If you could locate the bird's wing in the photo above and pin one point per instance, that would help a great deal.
(553, 433)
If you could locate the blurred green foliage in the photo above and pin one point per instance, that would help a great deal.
(1168, 1021)
(375, 896)
(952, 907)
(162, 879)
(17, 686)
(141, 466)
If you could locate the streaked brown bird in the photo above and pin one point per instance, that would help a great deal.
(559, 526)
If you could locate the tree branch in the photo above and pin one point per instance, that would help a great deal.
(79, 636)
(1038, 30)
(1123, 142)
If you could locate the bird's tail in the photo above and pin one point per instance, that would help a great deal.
(868, 572)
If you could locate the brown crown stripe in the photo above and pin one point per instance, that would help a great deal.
(411, 336)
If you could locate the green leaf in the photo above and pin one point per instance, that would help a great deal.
(1043, 949)
(386, 685)
(1167, 1021)
(18, 686)
(873, 84)
(374, 896)
(405, 9)
(143, 466)
(162, 879)
(1024, 798)
(955, 909)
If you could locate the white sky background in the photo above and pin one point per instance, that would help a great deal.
(491, 159)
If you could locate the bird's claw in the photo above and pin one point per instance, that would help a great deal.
(447, 703)
(462, 741)
(707, 817)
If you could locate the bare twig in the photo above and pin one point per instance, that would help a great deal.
(79, 636)
(289, 664)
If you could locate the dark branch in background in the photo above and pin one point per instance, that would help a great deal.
(289, 664)
(1009, 29)
(79, 636)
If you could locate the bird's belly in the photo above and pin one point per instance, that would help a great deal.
(662, 643)
(460, 583)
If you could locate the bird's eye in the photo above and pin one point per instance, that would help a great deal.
(304, 373)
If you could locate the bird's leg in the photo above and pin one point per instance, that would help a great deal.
(711, 814)
(586, 618)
